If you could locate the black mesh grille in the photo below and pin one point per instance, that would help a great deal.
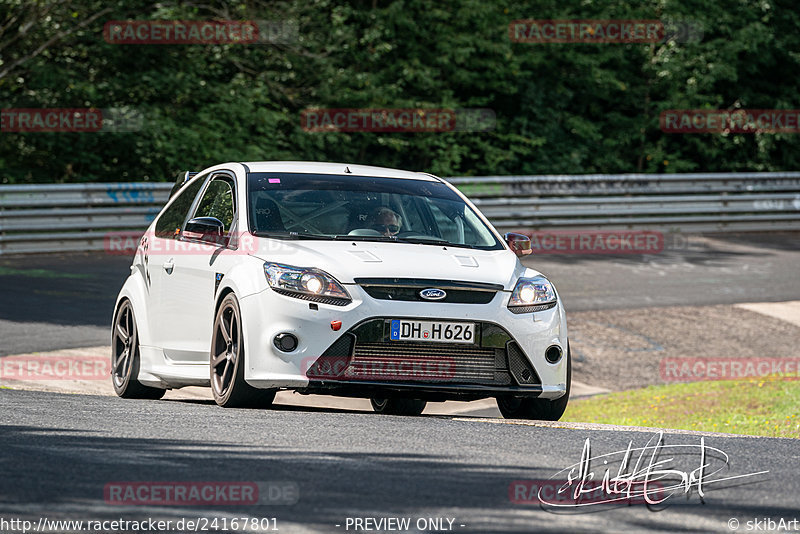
(519, 366)
(407, 289)
(454, 296)
(335, 360)
(422, 362)
(314, 298)
(365, 353)
(341, 347)
(529, 309)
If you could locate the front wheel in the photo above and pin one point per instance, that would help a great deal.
(227, 361)
(398, 406)
(125, 357)
(539, 409)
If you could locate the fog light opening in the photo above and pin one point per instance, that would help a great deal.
(553, 354)
(285, 342)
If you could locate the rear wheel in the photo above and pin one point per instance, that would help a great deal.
(227, 362)
(539, 409)
(125, 357)
(398, 406)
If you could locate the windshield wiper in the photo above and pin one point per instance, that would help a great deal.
(377, 238)
(394, 239)
(426, 240)
(344, 237)
(440, 242)
(292, 235)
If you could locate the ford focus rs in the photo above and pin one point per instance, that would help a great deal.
(337, 279)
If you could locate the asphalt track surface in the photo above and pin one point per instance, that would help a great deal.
(58, 452)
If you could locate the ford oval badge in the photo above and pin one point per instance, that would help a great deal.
(432, 294)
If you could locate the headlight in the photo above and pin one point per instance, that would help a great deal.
(532, 294)
(306, 283)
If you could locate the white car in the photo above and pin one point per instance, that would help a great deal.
(348, 280)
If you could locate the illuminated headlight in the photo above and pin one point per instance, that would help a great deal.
(306, 283)
(532, 294)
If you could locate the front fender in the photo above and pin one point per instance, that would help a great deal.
(135, 290)
(244, 278)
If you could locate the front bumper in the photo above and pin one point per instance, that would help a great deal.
(508, 344)
(426, 391)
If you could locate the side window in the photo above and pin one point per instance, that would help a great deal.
(173, 217)
(218, 202)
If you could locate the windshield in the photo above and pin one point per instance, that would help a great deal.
(319, 206)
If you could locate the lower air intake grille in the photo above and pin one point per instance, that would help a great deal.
(423, 362)
(519, 366)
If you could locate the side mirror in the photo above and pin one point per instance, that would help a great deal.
(207, 229)
(520, 244)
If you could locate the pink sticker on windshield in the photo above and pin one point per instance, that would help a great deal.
(274, 180)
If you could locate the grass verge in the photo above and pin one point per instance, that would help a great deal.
(768, 406)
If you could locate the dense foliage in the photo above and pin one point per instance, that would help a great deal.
(560, 108)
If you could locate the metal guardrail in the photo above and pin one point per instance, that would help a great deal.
(74, 217)
(79, 217)
(701, 202)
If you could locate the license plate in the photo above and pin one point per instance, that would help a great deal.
(437, 331)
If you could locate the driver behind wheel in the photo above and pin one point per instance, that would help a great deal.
(386, 221)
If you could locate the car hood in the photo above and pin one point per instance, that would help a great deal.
(346, 260)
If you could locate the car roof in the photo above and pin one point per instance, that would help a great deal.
(315, 167)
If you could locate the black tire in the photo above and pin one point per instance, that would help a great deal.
(227, 362)
(538, 409)
(125, 357)
(398, 406)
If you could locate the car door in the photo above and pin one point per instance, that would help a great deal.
(189, 289)
(159, 255)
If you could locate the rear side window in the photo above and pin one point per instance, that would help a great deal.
(173, 217)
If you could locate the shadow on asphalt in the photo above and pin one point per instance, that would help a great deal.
(63, 473)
